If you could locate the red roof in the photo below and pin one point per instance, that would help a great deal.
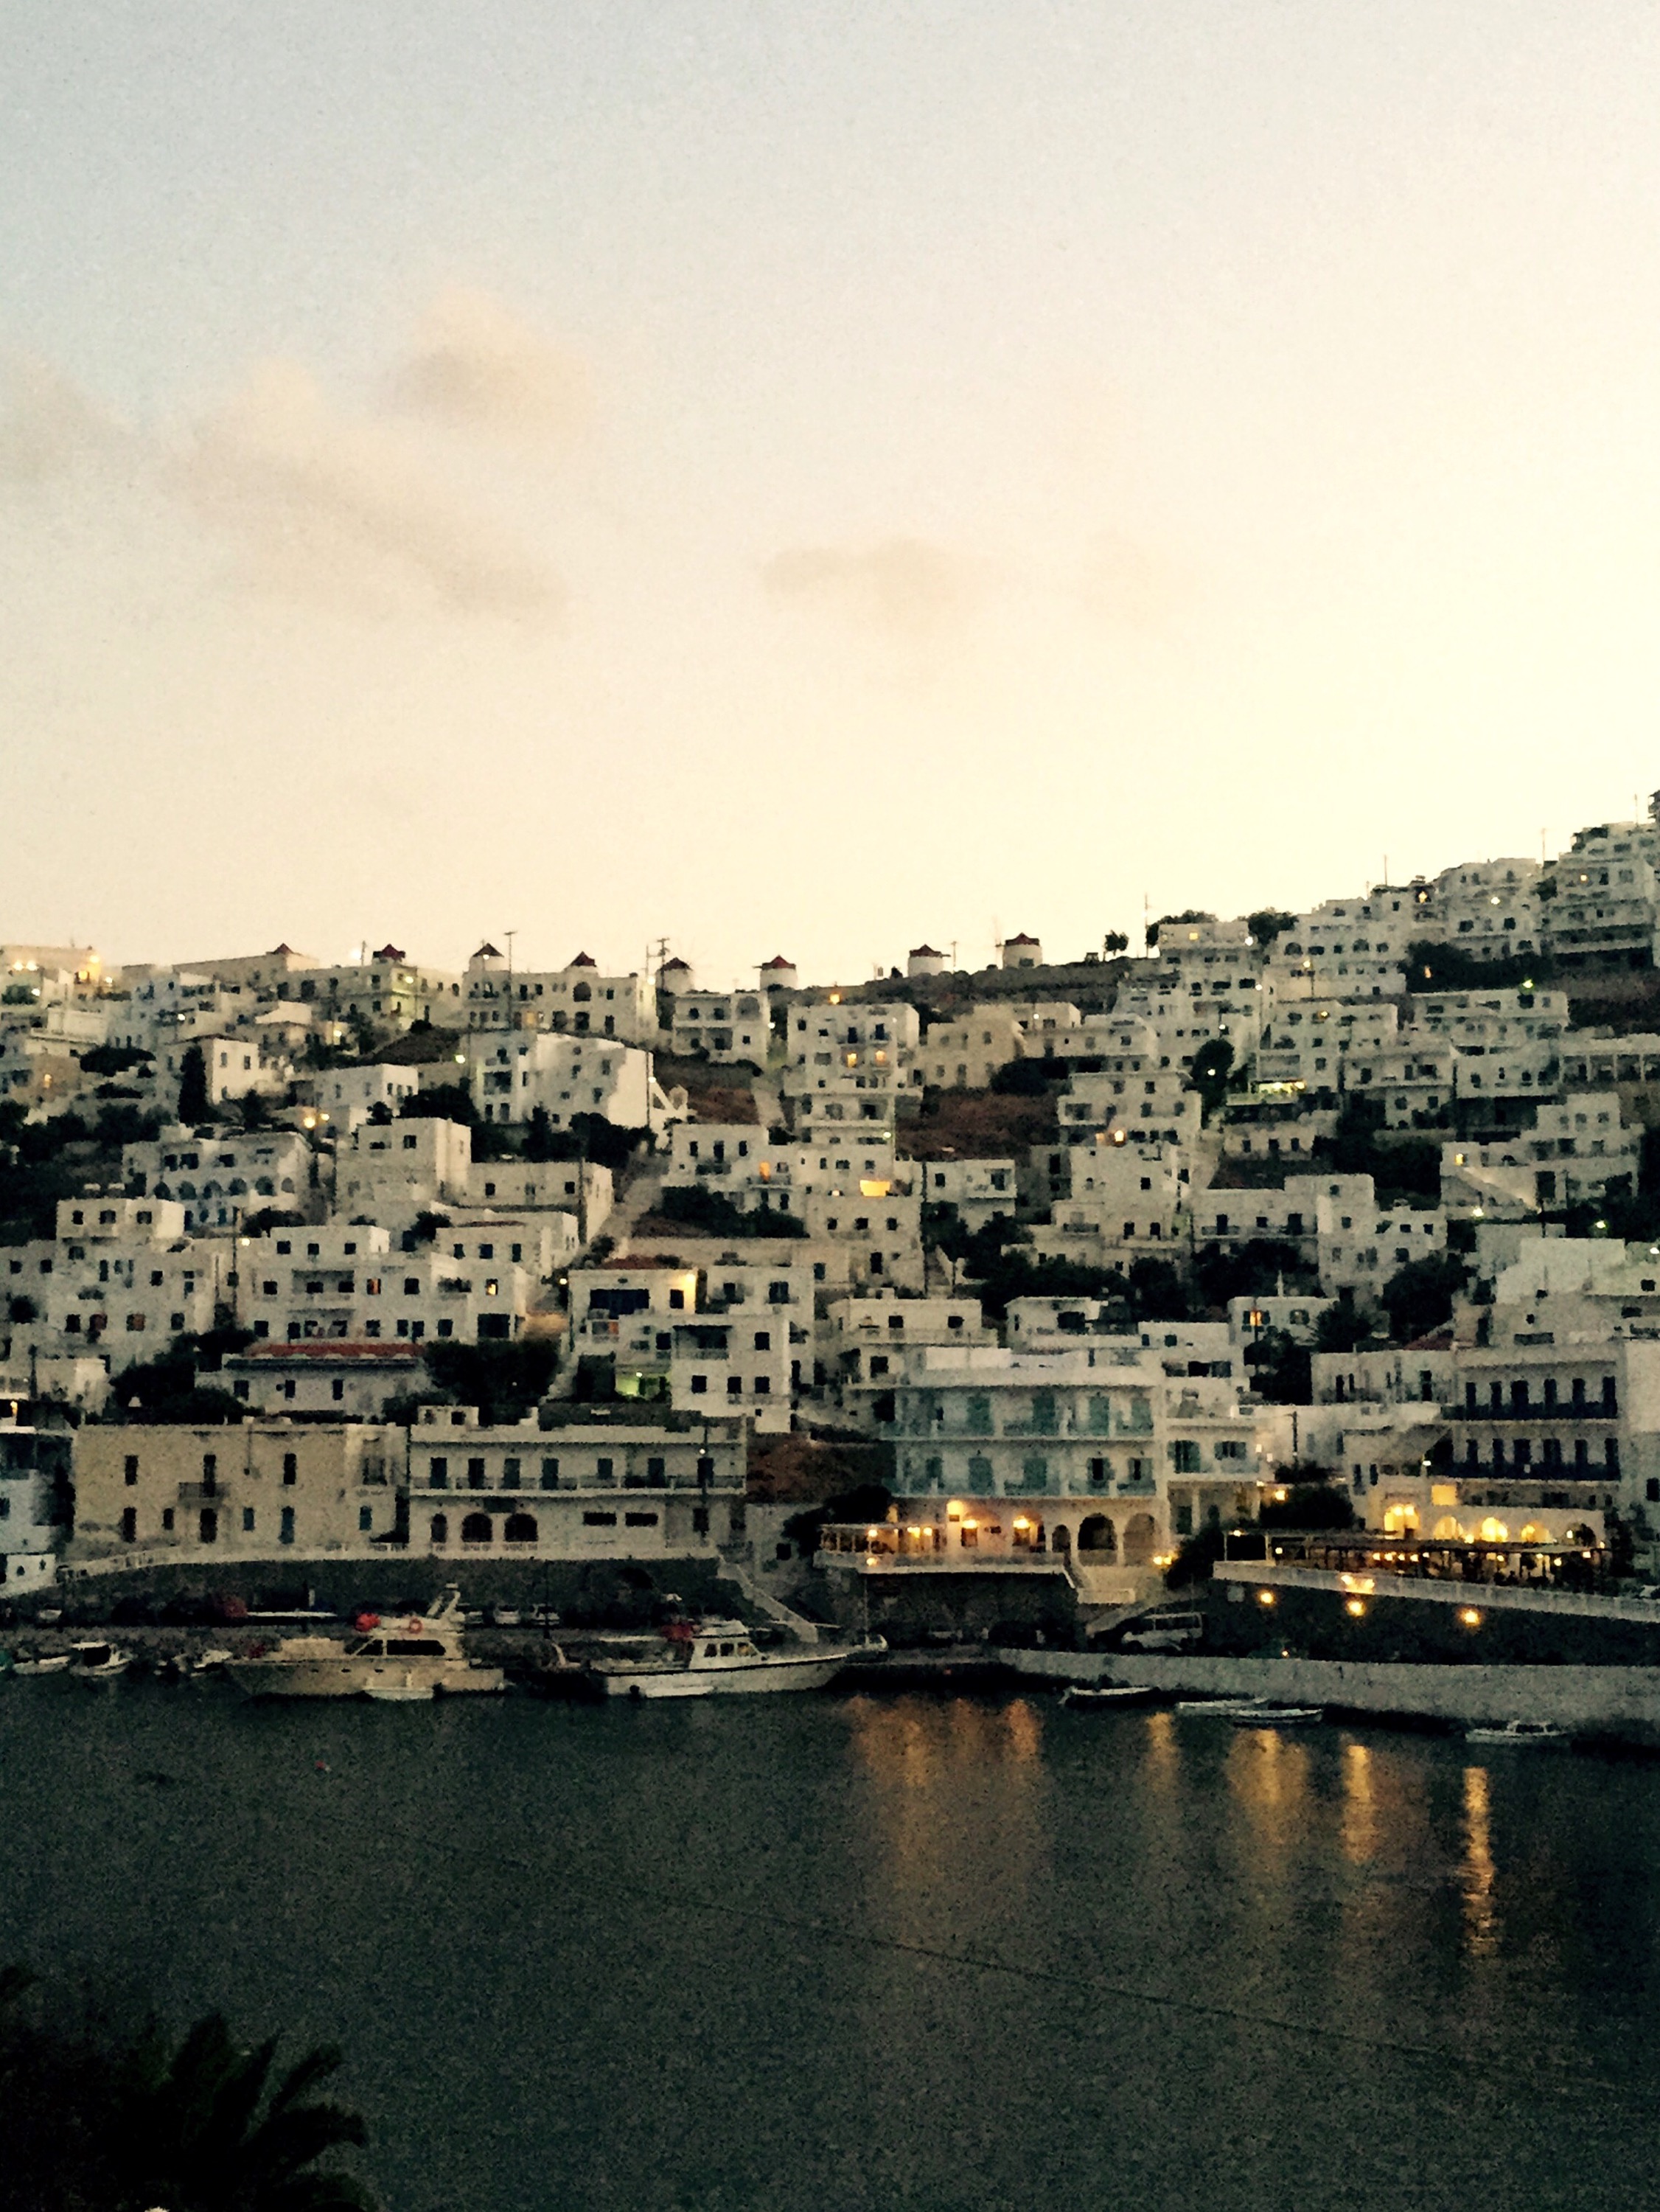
(1022, 939)
(776, 961)
(584, 960)
(389, 953)
(487, 952)
(933, 952)
(670, 966)
(320, 1353)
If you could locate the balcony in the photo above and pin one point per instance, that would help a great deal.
(1572, 1409)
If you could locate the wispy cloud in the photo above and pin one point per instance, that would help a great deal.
(48, 426)
(902, 587)
(475, 366)
(323, 504)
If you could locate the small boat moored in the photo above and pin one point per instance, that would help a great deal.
(97, 1662)
(1518, 1732)
(55, 1662)
(1280, 1717)
(1223, 1709)
(1106, 1697)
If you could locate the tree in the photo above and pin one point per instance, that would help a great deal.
(1252, 1270)
(503, 1381)
(1279, 1368)
(440, 1101)
(539, 1137)
(1420, 1298)
(1021, 1078)
(710, 1213)
(1157, 1291)
(95, 2117)
(193, 1086)
(1343, 1327)
(1115, 941)
(1213, 1064)
(1268, 923)
(1312, 1504)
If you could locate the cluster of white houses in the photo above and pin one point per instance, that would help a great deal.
(334, 1205)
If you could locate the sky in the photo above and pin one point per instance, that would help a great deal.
(812, 478)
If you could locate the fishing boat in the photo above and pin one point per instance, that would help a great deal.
(1523, 1732)
(55, 1662)
(715, 1658)
(97, 1662)
(1280, 1717)
(405, 1660)
(1106, 1697)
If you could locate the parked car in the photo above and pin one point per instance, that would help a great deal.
(1165, 1631)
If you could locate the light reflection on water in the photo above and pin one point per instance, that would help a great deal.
(894, 1955)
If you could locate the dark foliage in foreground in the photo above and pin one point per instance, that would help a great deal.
(100, 2119)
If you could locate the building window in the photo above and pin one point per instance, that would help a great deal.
(168, 1519)
(290, 1469)
(605, 1470)
(599, 1520)
(285, 1533)
(550, 1475)
(440, 1527)
(208, 1525)
(247, 1520)
(474, 1474)
(130, 1524)
(511, 1473)
(130, 1469)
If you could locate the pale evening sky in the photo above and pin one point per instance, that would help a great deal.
(810, 479)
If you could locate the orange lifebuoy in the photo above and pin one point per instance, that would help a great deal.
(414, 1627)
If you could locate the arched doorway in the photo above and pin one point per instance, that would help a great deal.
(440, 1530)
(475, 1529)
(521, 1528)
(1060, 1539)
(1097, 1533)
(1141, 1539)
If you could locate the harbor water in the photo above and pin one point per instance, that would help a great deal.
(906, 1954)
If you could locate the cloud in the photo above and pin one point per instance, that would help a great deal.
(48, 426)
(320, 504)
(475, 366)
(902, 587)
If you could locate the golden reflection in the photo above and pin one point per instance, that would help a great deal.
(1163, 1751)
(1358, 1827)
(956, 1794)
(1024, 1736)
(1481, 1915)
(1270, 1778)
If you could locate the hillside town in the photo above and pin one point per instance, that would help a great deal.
(1044, 1275)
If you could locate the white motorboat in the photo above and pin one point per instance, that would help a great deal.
(716, 1658)
(56, 1662)
(401, 1660)
(1280, 1717)
(1518, 1732)
(1106, 1697)
(97, 1662)
(209, 1662)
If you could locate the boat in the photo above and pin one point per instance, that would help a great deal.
(1518, 1732)
(1280, 1717)
(97, 1662)
(1223, 1709)
(209, 1662)
(406, 1693)
(715, 1658)
(1106, 1697)
(411, 1658)
(56, 1662)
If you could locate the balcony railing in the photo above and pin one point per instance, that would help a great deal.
(1571, 1409)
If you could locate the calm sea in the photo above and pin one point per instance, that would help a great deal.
(812, 1954)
